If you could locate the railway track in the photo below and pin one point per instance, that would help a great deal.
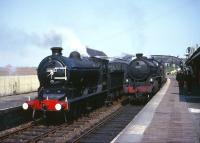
(65, 132)
(108, 128)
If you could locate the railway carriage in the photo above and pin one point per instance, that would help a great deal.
(117, 74)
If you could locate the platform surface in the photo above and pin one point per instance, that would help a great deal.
(8, 102)
(168, 118)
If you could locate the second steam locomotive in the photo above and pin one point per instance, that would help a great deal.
(144, 77)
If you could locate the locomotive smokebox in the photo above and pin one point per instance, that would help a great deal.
(139, 55)
(56, 51)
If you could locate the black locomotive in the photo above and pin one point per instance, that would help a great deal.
(74, 84)
(144, 77)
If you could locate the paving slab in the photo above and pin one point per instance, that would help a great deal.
(9, 102)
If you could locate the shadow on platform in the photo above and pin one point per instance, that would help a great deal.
(193, 97)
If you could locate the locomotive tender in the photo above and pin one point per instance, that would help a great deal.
(72, 84)
(144, 77)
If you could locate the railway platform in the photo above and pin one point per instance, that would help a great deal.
(11, 112)
(14, 101)
(169, 117)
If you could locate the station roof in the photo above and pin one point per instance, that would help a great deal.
(167, 59)
(193, 57)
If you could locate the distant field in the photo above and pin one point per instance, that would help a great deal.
(9, 70)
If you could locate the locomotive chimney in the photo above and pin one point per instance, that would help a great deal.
(56, 51)
(139, 55)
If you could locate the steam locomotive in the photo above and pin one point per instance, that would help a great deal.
(144, 77)
(72, 85)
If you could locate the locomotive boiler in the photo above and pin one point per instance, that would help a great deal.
(144, 77)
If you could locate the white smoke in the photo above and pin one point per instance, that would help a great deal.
(64, 37)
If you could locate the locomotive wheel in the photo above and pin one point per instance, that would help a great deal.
(65, 116)
(132, 99)
(148, 97)
(33, 114)
(44, 115)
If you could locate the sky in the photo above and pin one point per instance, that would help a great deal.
(29, 28)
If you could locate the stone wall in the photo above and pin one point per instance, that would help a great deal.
(10, 85)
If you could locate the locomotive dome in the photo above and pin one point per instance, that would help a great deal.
(75, 55)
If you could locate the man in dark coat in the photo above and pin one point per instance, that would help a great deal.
(180, 79)
(188, 79)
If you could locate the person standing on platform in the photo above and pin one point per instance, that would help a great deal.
(188, 79)
(180, 79)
